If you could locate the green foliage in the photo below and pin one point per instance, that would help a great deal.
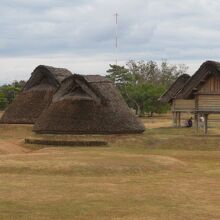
(151, 104)
(119, 74)
(3, 101)
(8, 93)
(142, 83)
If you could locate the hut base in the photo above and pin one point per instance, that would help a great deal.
(67, 140)
(66, 143)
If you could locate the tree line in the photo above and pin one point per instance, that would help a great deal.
(141, 83)
(8, 93)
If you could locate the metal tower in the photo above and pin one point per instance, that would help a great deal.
(116, 38)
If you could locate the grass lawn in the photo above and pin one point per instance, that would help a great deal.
(164, 174)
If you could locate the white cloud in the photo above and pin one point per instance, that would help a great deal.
(83, 30)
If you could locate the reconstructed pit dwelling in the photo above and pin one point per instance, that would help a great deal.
(199, 94)
(61, 103)
(35, 96)
(88, 105)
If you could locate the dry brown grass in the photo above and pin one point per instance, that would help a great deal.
(164, 174)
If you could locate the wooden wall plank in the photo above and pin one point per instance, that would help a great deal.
(209, 102)
(212, 85)
(184, 105)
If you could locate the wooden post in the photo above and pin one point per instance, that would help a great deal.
(196, 114)
(179, 120)
(196, 118)
(174, 119)
(177, 114)
(206, 123)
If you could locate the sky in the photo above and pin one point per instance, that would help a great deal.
(80, 34)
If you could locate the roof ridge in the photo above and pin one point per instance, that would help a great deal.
(196, 79)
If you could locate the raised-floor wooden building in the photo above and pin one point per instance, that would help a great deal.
(177, 105)
(200, 94)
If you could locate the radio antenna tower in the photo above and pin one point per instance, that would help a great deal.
(116, 38)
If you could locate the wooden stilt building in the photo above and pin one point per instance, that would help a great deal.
(199, 95)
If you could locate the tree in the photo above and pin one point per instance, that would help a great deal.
(169, 73)
(151, 104)
(8, 92)
(124, 81)
(144, 71)
(152, 72)
(142, 83)
(19, 84)
(3, 101)
(119, 74)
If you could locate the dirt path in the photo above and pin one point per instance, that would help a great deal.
(11, 148)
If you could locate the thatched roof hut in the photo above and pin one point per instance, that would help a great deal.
(174, 88)
(88, 105)
(200, 77)
(35, 96)
(200, 95)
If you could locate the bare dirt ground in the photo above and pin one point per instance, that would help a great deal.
(12, 138)
(7, 147)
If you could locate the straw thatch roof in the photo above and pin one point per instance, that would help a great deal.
(35, 96)
(88, 105)
(174, 88)
(207, 69)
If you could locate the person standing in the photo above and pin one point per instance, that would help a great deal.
(201, 120)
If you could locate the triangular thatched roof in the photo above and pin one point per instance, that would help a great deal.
(207, 69)
(35, 96)
(88, 104)
(46, 75)
(174, 88)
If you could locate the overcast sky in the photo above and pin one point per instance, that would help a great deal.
(79, 34)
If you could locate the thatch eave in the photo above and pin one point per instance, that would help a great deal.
(171, 92)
